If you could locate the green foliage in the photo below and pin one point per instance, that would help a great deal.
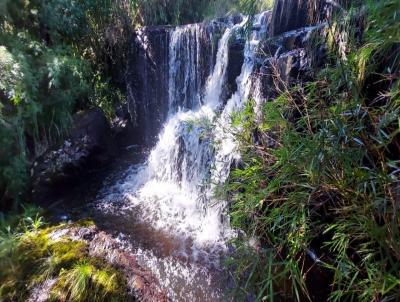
(174, 12)
(30, 255)
(86, 282)
(322, 178)
(58, 56)
(49, 53)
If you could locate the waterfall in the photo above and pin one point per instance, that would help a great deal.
(173, 192)
(178, 169)
(227, 151)
(216, 80)
(191, 59)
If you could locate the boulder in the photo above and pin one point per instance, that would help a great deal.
(89, 146)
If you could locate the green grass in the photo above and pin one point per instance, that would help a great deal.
(322, 178)
(87, 282)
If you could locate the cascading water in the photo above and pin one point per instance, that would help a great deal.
(189, 64)
(180, 230)
(227, 151)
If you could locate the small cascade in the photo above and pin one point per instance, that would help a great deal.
(227, 151)
(172, 194)
(217, 79)
(191, 58)
(184, 60)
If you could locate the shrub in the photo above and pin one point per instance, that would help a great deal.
(319, 185)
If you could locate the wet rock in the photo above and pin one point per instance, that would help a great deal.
(289, 59)
(123, 128)
(294, 14)
(41, 293)
(89, 145)
(231, 19)
(142, 283)
(235, 62)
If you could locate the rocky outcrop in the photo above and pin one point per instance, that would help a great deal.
(235, 63)
(291, 50)
(288, 59)
(141, 283)
(89, 145)
(164, 68)
(123, 127)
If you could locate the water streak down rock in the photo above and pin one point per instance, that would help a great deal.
(168, 64)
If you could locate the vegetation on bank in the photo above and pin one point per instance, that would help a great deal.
(156, 12)
(33, 256)
(56, 57)
(319, 182)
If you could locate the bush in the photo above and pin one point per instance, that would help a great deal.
(319, 188)
(54, 56)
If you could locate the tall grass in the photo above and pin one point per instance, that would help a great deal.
(319, 182)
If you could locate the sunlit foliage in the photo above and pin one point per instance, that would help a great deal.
(319, 185)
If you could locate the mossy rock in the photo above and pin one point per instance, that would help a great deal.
(89, 281)
(34, 256)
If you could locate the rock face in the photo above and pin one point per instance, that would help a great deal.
(147, 74)
(235, 63)
(291, 50)
(169, 63)
(89, 145)
(289, 15)
(173, 63)
(288, 59)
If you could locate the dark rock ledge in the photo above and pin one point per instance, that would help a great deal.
(89, 146)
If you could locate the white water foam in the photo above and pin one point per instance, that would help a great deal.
(173, 192)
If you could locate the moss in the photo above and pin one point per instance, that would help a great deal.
(21, 266)
(30, 256)
(85, 223)
(87, 281)
(65, 253)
